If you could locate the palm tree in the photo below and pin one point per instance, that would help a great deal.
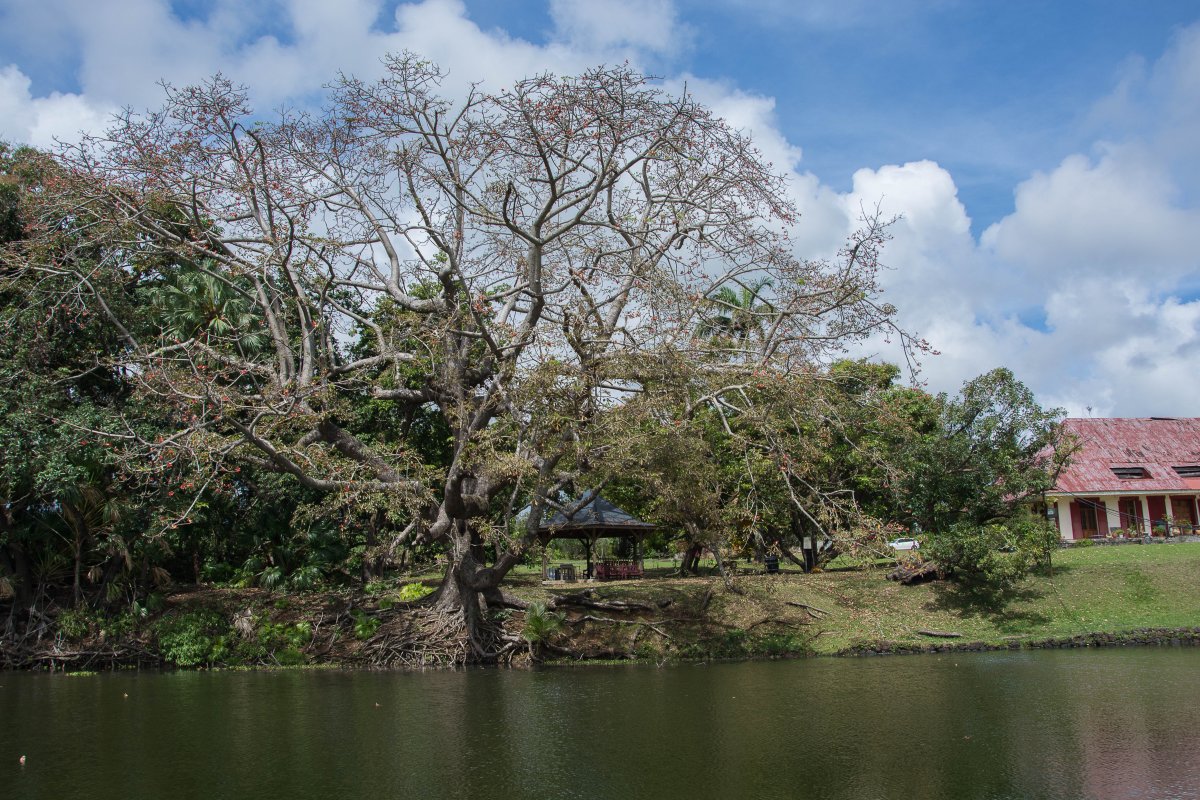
(197, 305)
(736, 314)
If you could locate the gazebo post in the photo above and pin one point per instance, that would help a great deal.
(637, 559)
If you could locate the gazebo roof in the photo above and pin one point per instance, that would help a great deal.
(597, 518)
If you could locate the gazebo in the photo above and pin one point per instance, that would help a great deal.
(597, 519)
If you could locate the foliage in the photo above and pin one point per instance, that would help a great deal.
(990, 560)
(310, 345)
(74, 623)
(977, 457)
(411, 592)
(193, 638)
(365, 625)
(541, 624)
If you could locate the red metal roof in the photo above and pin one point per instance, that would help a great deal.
(1156, 444)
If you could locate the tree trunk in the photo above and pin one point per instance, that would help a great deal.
(469, 591)
(691, 556)
(78, 568)
(368, 572)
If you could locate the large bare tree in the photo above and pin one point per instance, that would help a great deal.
(515, 261)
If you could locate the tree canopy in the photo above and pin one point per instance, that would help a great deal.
(298, 295)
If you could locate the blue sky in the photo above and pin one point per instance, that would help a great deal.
(1041, 153)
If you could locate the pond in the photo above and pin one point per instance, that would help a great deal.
(1061, 724)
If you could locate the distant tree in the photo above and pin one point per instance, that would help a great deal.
(737, 313)
(977, 457)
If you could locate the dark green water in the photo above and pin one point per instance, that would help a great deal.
(1069, 724)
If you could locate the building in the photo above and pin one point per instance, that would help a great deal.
(1129, 476)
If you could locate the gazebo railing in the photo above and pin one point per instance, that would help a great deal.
(609, 569)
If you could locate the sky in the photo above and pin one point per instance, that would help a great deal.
(1043, 156)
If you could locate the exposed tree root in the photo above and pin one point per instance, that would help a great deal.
(588, 599)
(433, 637)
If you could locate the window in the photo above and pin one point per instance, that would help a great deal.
(1187, 472)
(1130, 473)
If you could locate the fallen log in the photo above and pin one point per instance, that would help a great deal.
(908, 574)
(941, 634)
(587, 599)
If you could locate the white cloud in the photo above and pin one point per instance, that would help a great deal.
(125, 49)
(40, 121)
(1113, 215)
(1078, 289)
(645, 25)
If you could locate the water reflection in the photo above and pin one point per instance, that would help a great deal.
(1106, 724)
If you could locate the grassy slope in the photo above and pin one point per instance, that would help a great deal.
(1100, 589)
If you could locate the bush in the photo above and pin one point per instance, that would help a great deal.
(192, 638)
(275, 642)
(364, 625)
(541, 624)
(413, 591)
(74, 623)
(991, 559)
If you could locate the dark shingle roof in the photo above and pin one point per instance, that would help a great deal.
(597, 515)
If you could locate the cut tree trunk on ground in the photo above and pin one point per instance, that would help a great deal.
(909, 574)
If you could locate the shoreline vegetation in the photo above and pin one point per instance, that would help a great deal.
(1094, 597)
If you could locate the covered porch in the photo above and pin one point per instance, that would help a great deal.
(1100, 516)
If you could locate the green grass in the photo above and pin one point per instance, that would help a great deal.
(1091, 590)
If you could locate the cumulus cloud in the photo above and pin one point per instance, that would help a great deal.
(288, 50)
(1083, 289)
(1113, 214)
(646, 25)
(42, 120)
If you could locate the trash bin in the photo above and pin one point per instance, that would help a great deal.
(772, 564)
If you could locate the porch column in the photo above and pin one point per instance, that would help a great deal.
(1145, 515)
(1112, 506)
(1066, 527)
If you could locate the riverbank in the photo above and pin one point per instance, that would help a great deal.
(1094, 597)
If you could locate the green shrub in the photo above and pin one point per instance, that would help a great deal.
(305, 579)
(275, 642)
(989, 560)
(75, 623)
(192, 638)
(414, 591)
(364, 625)
(541, 623)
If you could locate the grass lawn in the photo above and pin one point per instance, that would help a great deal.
(1092, 590)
